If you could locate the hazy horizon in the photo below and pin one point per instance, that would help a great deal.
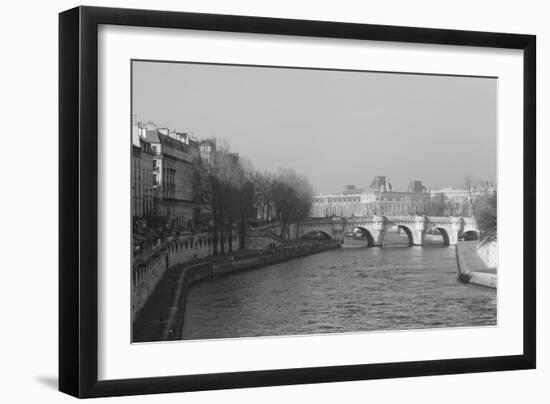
(336, 127)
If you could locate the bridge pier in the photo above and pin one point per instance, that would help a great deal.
(456, 227)
(377, 230)
(418, 230)
(418, 237)
(377, 237)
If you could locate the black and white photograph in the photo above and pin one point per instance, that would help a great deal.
(276, 202)
(272, 201)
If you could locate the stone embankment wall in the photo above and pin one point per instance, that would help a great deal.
(145, 278)
(489, 254)
(148, 270)
(472, 268)
(267, 257)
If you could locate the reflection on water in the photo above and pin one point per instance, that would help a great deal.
(343, 290)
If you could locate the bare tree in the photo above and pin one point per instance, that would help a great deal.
(264, 187)
(240, 198)
(438, 205)
(231, 189)
(225, 181)
(486, 217)
(207, 180)
(292, 197)
(473, 189)
(216, 168)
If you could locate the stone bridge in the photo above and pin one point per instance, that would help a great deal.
(375, 227)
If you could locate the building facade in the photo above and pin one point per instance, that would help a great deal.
(173, 156)
(380, 199)
(142, 176)
(370, 203)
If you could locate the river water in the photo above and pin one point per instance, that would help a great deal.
(343, 290)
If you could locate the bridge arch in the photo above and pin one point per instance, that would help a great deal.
(470, 235)
(443, 231)
(364, 231)
(316, 234)
(408, 232)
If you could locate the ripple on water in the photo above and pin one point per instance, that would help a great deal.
(343, 290)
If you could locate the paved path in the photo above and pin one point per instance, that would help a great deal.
(150, 324)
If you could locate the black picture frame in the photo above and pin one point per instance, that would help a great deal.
(78, 200)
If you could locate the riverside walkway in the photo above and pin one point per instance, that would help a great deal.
(151, 323)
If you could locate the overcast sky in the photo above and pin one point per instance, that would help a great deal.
(336, 127)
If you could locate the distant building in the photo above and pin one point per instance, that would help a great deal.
(402, 203)
(380, 199)
(351, 190)
(416, 186)
(381, 183)
(370, 203)
(338, 205)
